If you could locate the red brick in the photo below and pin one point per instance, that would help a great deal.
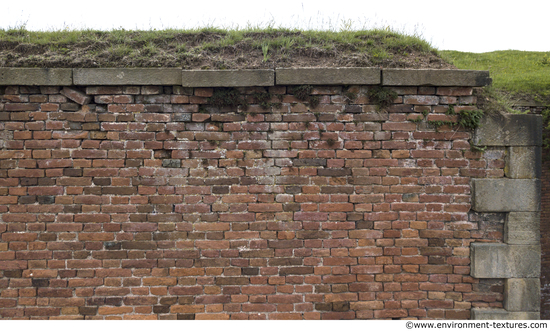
(20, 218)
(76, 96)
(12, 265)
(51, 292)
(42, 311)
(92, 218)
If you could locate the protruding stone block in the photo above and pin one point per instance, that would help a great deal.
(430, 77)
(127, 76)
(36, 76)
(501, 314)
(522, 294)
(503, 195)
(509, 130)
(227, 78)
(327, 76)
(522, 228)
(524, 162)
(490, 260)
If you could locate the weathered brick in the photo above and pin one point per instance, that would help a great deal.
(141, 206)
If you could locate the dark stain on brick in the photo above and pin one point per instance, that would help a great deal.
(39, 282)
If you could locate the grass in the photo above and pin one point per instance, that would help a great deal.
(234, 48)
(518, 73)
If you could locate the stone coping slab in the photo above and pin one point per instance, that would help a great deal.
(327, 76)
(127, 76)
(241, 78)
(431, 77)
(227, 78)
(36, 76)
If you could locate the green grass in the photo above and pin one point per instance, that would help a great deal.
(517, 72)
(516, 75)
(192, 48)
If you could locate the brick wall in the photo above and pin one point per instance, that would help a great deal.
(147, 202)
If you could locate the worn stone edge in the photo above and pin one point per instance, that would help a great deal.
(228, 78)
(269, 77)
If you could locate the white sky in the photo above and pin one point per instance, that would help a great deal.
(464, 25)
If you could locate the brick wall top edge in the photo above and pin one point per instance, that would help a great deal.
(241, 78)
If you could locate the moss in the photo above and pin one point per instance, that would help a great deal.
(382, 97)
(303, 92)
(469, 119)
(227, 97)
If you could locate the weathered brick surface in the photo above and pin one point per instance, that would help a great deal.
(149, 202)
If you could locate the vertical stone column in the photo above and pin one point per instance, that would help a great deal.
(518, 259)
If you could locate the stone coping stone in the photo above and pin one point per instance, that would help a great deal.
(435, 77)
(494, 260)
(501, 314)
(505, 195)
(227, 78)
(127, 76)
(509, 130)
(36, 76)
(327, 76)
(241, 78)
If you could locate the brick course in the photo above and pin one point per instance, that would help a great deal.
(125, 202)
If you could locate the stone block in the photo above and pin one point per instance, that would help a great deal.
(524, 162)
(509, 130)
(430, 77)
(327, 76)
(127, 76)
(227, 78)
(36, 76)
(504, 195)
(522, 228)
(491, 260)
(522, 294)
(501, 314)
